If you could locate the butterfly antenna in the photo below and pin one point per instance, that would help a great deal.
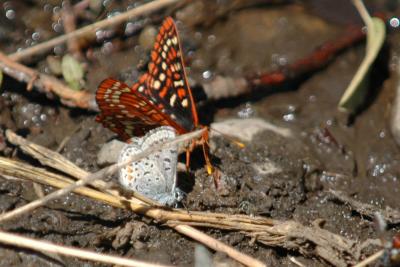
(233, 140)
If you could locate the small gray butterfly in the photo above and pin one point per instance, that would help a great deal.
(155, 175)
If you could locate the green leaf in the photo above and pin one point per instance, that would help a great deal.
(355, 93)
(72, 72)
(1, 78)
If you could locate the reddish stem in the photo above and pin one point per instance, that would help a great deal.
(316, 60)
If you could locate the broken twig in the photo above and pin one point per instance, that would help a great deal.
(390, 215)
(46, 83)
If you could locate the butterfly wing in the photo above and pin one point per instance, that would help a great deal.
(142, 175)
(126, 111)
(155, 175)
(166, 159)
(167, 82)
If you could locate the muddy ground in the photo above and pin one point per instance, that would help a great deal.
(274, 176)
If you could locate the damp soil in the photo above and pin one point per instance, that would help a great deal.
(273, 176)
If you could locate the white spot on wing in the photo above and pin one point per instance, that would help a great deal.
(178, 83)
(156, 84)
(172, 100)
(162, 76)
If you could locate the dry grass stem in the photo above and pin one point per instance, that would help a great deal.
(91, 29)
(218, 245)
(45, 246)
(374, 257)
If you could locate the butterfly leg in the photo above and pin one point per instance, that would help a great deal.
(188, 150)
(206, 152)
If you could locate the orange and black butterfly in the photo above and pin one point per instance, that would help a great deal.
(161, 97)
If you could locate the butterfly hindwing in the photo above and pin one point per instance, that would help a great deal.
(126, 111)
(155, 175)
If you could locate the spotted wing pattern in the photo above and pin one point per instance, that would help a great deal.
(167, 82)
(155, 175)
(126, 111)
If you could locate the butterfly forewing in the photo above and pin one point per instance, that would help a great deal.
(127, 111)
(167, 82)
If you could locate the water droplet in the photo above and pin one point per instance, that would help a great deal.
(58, 50)
(10, 14)
(56, 9)
(131, 28)
(378, 169)
(35, 119)
(107, 48)
(100, 35)
(394, 22)
(36, 36)
(43, 117)
(246, 112)
(282, 61)
(211, 38)
(198, 36)
(113, 13)
(207, 74)
(107, 3)
(57, 27)
(289, 117)
(47, 8)
(290, 114)
(51, 112)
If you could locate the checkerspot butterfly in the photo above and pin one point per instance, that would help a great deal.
(161, 97)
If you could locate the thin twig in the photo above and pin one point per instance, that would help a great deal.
(69, 23)
(46, 83)
(39, 245)
(218, 245)
(370, 259)
(91, 29)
